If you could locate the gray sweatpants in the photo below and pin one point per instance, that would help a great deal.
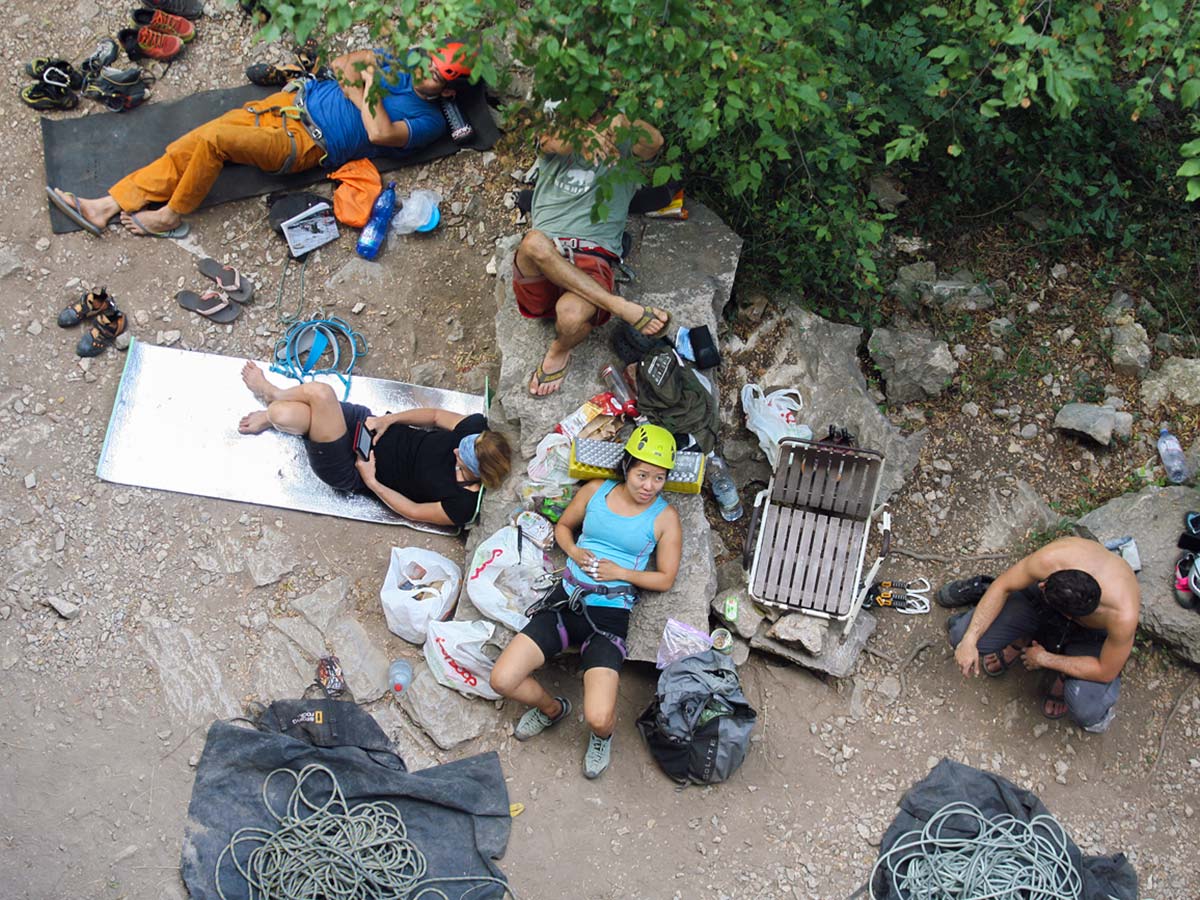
(1025, 615)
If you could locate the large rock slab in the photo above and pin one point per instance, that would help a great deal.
(685, 267)
(1010, 519)
(838, 653)
(364, 663)
(445, 715)
(1178, 378)
(281, 670)
(1154, 516)
(326, 604)
(820, 359)
(188, 671)
(914, 366)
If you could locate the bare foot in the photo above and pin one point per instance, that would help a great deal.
(548, 377)
(255, 422)
(156, 220)
(1054, 704)
(256, 381)
(97, 211)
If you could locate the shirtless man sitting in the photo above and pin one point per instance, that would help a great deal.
(1071, 608)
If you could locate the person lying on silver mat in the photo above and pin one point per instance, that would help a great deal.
(427, 476)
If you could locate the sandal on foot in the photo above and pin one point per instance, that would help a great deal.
(179, 231)
(542, 377)
(68, 204)
(108, 326)
(212, 305)
(94, 303)
(1050, 697)
(228, 279)
(1005, 665)
(652, 314)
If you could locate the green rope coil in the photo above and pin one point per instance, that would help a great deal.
(330, 851)
(1007, 859)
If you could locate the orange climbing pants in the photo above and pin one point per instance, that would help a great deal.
(185, 173)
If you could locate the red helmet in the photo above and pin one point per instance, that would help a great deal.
(447, 66)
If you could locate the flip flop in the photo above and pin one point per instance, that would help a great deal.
(71, 209)
(182, 230)
(211, 305)
(652, 314)
(1048, 697)
(228, 279)
(542, 377)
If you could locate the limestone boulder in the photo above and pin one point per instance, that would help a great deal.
(326, 604)
(1088, 419)
(364, 663)
(445, 715)
(1012, 512)
(1178, 379)
(1130, 349)
(1154, 517)
(820, 359)
(838, 652)
(915, 366)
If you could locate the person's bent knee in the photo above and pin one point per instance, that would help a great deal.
(600, 721)
(504, 680)
(1088, 703)
(319, 392)
(957, 628)
(537, 245)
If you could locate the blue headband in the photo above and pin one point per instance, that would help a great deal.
(466, 453)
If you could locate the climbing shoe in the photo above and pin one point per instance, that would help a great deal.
(105, 54)
(268, 75)
(108, 326)
(142, 43)
(119, 89)
(56, 72)
(94, 303)
(963, 592)
(44, 97)
(595, 759)
(164, 23)
(188, 9)
(534, 722)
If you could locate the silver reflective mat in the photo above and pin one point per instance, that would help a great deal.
(174, 428)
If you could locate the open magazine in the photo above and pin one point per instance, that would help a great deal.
(311, 229)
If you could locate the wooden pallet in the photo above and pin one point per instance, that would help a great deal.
(814, 526)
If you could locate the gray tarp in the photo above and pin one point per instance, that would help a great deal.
(457, 814)
(1104, 877)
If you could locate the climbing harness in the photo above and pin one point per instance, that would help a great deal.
(575, 603)
(319, 347)
(323, 847)
(1006, 857)
(908, 597)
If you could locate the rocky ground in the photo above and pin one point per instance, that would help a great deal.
(130, 619)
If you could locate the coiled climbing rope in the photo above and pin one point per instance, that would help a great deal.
(1006, 859)
(329, 851)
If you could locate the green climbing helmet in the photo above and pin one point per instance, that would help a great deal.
(652, 444)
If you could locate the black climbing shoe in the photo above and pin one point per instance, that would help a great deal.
(43, 97)
(94, 303)
(267, 75)
(102, 334)
(963, 592)
(119, 89)
(56, 72)
(105, 54)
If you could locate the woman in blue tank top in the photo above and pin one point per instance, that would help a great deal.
(619, 525)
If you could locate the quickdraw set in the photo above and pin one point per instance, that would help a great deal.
(908, 597)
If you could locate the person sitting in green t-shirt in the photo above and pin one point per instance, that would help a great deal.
(563, 268)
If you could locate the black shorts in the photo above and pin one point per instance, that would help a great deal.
(333, 461)
(596, 651)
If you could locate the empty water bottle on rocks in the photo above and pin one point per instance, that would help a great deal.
(723, 488)
(376, 229)
(400, 676)
(1172, 457)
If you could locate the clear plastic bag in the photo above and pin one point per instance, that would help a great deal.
(551, 460)
(417, 208)
(774, 416)
(679, 640)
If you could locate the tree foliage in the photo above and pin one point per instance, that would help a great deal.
(778, 114)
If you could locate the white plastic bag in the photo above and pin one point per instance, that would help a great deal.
(551, 460)
(679, 640)
(455, 654)
(774, 416)
(420, 587)
(497, 553)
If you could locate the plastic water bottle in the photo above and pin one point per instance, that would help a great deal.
(376, 229)
(723, 488)
(400, 676)
(1172, 457)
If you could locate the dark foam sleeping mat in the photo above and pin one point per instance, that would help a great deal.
(88, 155)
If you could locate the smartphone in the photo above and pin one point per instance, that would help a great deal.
(363, 439)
